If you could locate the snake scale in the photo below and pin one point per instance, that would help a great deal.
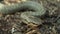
(31, 16)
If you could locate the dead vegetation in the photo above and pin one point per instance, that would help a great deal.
(51, 20)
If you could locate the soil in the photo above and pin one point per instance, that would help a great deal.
(12, 24)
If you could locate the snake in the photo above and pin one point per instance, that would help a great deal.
(31, 10)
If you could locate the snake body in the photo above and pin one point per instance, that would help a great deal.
(37, 8)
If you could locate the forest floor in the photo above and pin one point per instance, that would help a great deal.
(51, 23)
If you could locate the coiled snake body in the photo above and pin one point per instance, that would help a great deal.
(37, 10)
